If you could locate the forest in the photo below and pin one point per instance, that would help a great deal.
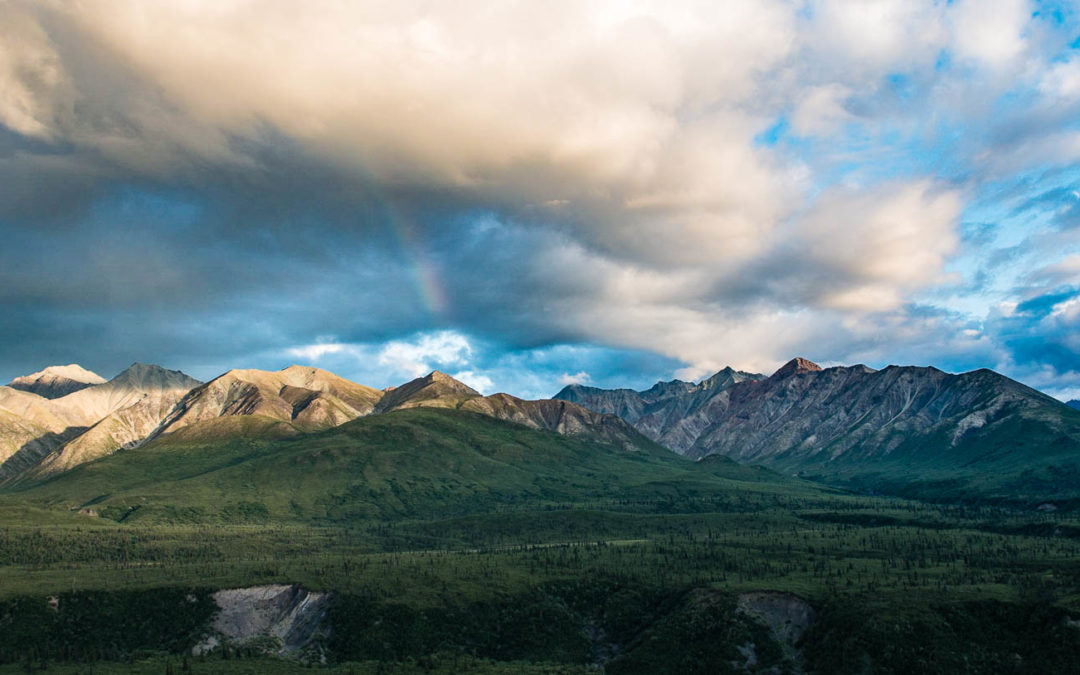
(624, 585)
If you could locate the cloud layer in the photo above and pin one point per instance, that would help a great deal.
(209, 184)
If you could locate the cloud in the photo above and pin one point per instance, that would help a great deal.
(478, 381)
(881, 243)
(1064, 271)
(444, 349)
(992, 32)
(1042, 337)
(580, 377)
(485, 365)
(821, 110)
(415, 186)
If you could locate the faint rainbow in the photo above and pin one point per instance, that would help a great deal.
(422, 269)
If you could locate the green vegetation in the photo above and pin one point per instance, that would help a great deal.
(456, 542)
(411, 463)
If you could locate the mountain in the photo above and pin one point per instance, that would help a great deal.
(135, 400)
(1075, 404)
(439, 390)
(907, 430)
(434, 390)
(302, 398)
(57, 381)
(413, 462)
(91, 422)
(29, 424)
(670, 413)
(41, 437)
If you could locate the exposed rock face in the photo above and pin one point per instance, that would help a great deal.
(806, 419)
(672, 413)
(138, 383)
(57, 381)
(310, 398)
(845, 422)
(438, 390)
(786, 615)
(39, 436)
(87, 424)
(434, 390)
(562, 417)
(291, 617)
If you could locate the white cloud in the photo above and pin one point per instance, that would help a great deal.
(394, 361)
(883, 242)
(623, 132)
(1061, 81)
(433, 351)
(821, 110)
(1064, 271)
(478, 381)
(580, 377)
(991, 32)
(872, 36)
(315, 352)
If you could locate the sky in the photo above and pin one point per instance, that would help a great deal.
(531, 194)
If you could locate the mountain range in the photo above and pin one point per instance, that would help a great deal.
(904, 430)
(41, 436)
(913, 431)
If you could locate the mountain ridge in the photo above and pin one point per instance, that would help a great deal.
(854, 426)
(57, 381)
(41, 437)
(96, 420)
(907, 429)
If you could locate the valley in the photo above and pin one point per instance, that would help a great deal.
(448, 530)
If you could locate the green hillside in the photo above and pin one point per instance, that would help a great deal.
(452, 541)
(415, 463)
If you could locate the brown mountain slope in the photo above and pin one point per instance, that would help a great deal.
(309, 398)
(907, 430)
(434, 390)
(57, 381)
(439, 390)
(95, 421)
(135, 384)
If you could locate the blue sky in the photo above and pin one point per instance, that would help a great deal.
(531, 194)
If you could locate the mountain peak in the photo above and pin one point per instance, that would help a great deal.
(57, 381)
(797, 366)
(439, 376)
(435, 386)
(727, 378)
(152, 376)
(72, 371)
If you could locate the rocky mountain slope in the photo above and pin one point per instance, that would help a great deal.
(901, 429)
(671, 413)
(57, 381)
(28, 425)
(1075, 404)
(302, 397)
(412, 462)
(91, 422)
(439, 390)
(40, 437)
(434, 390)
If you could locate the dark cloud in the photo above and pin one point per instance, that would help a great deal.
(174, 190)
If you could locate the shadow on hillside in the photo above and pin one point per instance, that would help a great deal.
(33, 452)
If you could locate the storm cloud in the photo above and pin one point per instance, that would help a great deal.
(638, 191)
